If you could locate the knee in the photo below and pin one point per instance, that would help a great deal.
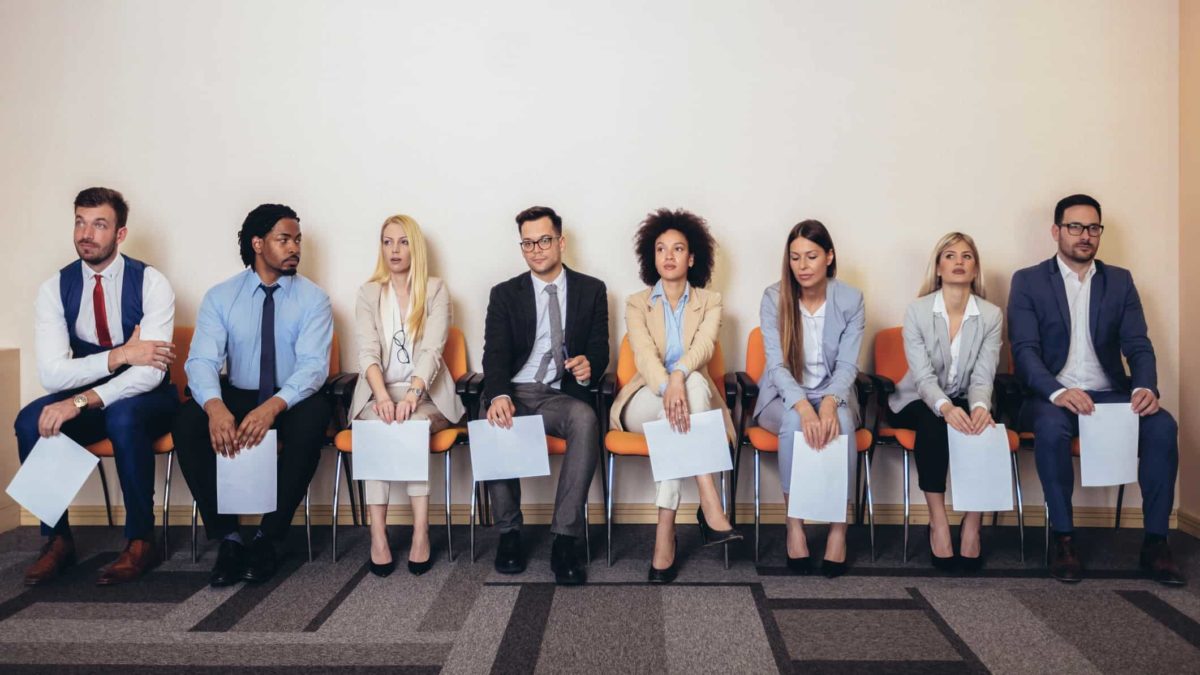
(790, 422)
(697, 391)
(123, 417)
(26, 425)
(1051, 422)
(1160, 425)
(582, 417)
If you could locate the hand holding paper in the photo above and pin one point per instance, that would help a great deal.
(980, 479)
(51, 476)
(1108, 445)
(820, 480)
(397, 451)
(520, 451)
(703, 449)
(247, 482)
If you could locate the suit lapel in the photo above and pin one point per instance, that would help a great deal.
(1096, 299)
(691, 319)
(1059, 289)
(574, 298)
(527, 312)
(833, 327)
(941, 333)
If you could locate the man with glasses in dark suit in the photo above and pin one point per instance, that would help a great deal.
(1070, 320)
(546, 338)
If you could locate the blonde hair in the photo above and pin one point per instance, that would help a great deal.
(418, 271)
(933, 282)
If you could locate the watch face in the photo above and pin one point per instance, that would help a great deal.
(80, 401)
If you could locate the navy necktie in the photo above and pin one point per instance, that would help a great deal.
(266, 356)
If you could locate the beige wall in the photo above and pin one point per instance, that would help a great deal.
(893, 122)
(1189, 240)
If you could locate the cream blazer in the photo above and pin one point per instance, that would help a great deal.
(426, 352)
(646, 326)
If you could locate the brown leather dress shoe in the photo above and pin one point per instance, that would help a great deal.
(1066, 565)
(1157, 562)
(139, 557)
(57, 555)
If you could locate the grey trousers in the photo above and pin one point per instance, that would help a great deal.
(573, 420)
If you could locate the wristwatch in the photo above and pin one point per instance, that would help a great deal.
(417, 391)
(80, 401)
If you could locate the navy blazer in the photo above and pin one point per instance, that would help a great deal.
(1039, 328)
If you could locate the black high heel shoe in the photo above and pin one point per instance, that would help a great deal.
(799, 566)
(939, 563)
(382, 569)
(419, 568)
(713, 537)
(664, 576)
(833, 570)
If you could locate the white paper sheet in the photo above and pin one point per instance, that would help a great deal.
(248, 482)
(397, 451)
(51, 476)
(519, 452)
(1108, 445)
(820, 480)
(980, 471)
(703, 449)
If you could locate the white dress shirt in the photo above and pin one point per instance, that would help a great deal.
(972, 310)
(1083, 369)
(541, 343)
(57, 369)
(813, 324)
(396, 371)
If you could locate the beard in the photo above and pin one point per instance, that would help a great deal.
(290, 272)
(1076, 254)
(98, 255)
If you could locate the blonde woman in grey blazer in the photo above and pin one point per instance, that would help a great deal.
(952, 344)
(402, 318)
(812, 327)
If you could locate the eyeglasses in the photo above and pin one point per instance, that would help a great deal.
(399, 340)
(544, 243)
(1076, 229)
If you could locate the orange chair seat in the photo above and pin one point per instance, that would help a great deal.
(1028, 436)
(765, 441)
(438, 442)
(626, 443)
(556, 445)
(104, 448)
(907, 438)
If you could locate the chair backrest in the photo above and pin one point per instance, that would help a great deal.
(890, 361)
(756, 355)
(627, 368)
(335, 356)
(455, 353)
(183, 347)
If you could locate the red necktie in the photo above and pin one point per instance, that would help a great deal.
(101, 315)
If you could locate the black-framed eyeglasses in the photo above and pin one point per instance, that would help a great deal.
(399, 340)
(1076, 229)
(544, 243)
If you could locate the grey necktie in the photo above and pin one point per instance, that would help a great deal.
(556, 340)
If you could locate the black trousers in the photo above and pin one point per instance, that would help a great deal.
(932, 447)
(301, 432)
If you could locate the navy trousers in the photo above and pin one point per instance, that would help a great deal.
(132, 424)
(1158, 459)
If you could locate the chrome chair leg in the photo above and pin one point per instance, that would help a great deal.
(1046, 510)
(104, 487)
(344, 460)
(449, 534)
(167, 506)
(858, 487)
(758, 507)
(337, 485)
(195, 509)
(906, 502)
(1120, 498)
(474, 497)
(1016, 465)
(308, 522)
(725, 508)
(870, 502)
(608, 508)
(587, 534)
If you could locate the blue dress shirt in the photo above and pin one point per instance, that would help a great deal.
(674, 327)
(229, 335)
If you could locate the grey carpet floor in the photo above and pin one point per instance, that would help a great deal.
(885, 616)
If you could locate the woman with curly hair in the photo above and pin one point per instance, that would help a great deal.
(673, 332)
(812, 327)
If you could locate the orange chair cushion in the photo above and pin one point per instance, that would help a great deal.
(438, 442)
(626, 443)
(906, 438)
(765, 441)
(1028, 436)
(556, 445)
(104, 448)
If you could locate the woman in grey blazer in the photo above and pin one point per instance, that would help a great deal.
(812, 328)
(402, 318)
(952, 345)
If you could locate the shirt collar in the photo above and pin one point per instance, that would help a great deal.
(658, 293)
(939, 305)
(560, 282)
(1068, 272)
(819, 314)
(109, 274)
(284, 282)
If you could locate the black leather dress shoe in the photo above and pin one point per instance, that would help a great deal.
(564, 560)
(799, 566)
(230, 566)
(510, 559)
(1066, 565)
(713, 537)
(1158, 563)
(263, 562)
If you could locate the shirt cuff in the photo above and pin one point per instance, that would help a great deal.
(1137, 389)
(681, 369)
(937, 406)
(981, 404)
(501, 396)
(1055, 394)
(583, 383)
(289, 395)
(105, 392)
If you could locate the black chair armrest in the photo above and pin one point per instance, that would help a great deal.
(748, 385)
(1007, 396)
(883, 385)
(732, 390)
(608, 385)
(864, 386)
(462, 386)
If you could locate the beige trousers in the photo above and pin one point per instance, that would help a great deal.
(378, 491)
(646, 406)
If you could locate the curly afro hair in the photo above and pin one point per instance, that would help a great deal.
(701, 244)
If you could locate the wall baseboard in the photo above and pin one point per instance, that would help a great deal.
(1189, 523)
(541, 514)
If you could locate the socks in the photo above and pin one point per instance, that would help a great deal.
(235, 537)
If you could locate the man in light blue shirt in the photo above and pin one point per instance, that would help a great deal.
(270, 330)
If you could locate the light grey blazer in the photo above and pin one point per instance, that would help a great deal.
(927, 350)
(845, 320)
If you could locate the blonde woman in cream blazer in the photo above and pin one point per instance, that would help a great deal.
(952, 345)
(403, 374)
(673, 333)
